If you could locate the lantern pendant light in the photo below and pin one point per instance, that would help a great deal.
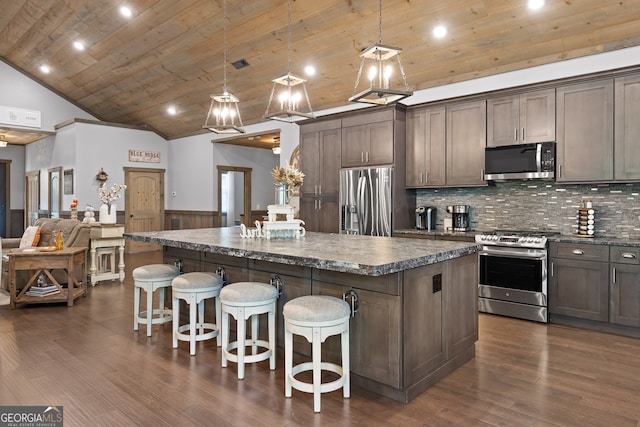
(224, 115)
(293, 99)
(378, 60)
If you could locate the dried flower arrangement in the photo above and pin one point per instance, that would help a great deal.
(288, 175)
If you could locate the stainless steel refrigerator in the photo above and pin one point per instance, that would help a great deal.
(366, 203)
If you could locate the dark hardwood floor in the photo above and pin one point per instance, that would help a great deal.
(88, 359)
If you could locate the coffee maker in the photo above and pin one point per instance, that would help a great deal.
(426, 218)
(459, 217)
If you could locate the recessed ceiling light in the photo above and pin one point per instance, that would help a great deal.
(535, 4)
(126, 12)
(172, 111)
(439, 31)
(310, 70)
(45, 69)
(78, 45)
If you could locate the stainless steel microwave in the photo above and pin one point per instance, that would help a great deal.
(523, 161)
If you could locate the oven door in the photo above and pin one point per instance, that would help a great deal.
(513, 274)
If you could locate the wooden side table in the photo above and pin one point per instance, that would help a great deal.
(105, 240)
(38, 262)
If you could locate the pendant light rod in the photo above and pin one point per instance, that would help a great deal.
(224, 108)
(378, 61)
(292, 98)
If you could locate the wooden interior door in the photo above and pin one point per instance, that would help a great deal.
(32, 198)
(55, 192)
(144, 205)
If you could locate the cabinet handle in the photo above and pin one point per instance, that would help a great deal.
(552, 269)
(481, 174)
(351, 297)
(421, 181)
(613, 275)
(319, 190)
(629, 255)
(559, 171)
(367, 157)
(577, 252)
(315, 204)
(278, 283)
(515, 134)
(362, 157)
(320, 204)
(220, 271)
(523, 134)
(426, 177)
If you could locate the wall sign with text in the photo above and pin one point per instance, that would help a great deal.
(144, 156)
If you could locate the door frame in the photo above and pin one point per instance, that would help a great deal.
(51, 170)
(127, 206)
(7, 192)
(247, 190)
(27, 187)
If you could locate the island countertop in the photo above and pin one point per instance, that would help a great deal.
(364, 255)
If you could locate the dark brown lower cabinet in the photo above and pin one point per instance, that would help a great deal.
(411, 328)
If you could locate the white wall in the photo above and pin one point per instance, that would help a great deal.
(19, 91)
(87, 148)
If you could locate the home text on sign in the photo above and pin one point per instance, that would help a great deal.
(144, 156)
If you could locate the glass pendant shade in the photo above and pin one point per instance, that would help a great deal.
(382, 64)
(224, 115)
(289, 99)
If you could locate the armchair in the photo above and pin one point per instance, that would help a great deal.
(74, 234)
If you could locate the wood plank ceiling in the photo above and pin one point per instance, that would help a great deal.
(171, 52)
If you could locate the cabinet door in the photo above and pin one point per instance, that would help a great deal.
(585, 132)
(424, 329)
(330, 146)
(354, 146)
(310, 162)
(466, 141)
(503, 121)
(425, 159)
(461, 308)
(579, 289)
(380, 143)
(538, 116)
(627, 129)
(374, 334)
(625, 295)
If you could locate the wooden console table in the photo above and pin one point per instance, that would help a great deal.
(105, 240)
(38, 262)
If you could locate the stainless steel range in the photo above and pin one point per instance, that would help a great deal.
(513, 274)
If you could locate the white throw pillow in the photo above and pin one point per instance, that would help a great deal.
(31, 237)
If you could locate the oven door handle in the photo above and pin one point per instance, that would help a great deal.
(513, 254)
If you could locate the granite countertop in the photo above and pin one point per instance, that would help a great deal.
(470, 233)
(365, 255)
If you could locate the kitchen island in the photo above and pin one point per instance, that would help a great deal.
(416, 300)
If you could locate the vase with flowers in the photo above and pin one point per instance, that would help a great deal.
(288, 179)
(108, 196)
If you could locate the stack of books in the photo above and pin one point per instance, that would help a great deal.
(41, 291)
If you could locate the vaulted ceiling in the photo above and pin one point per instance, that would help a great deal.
(170, 52)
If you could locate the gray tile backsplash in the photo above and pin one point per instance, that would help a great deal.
(541, 205)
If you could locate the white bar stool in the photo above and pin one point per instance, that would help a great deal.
(195, 288)
(244, 300)
(151, 277)
(316, 317)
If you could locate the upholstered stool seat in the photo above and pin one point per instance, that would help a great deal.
(152, 277)
(195, 288)
(244, 300)
(316, 317)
